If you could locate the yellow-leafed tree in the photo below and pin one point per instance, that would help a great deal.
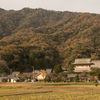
(43, 74)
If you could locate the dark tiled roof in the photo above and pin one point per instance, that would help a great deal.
(15, 73)
(12, 77)
(48, 71)
(27, 74)
(3, 77)
(83, 61)
(71, 75)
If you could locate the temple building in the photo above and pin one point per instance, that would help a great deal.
(82, 65)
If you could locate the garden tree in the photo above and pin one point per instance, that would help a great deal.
(94, 56)
(58, 69)
(76, 78)
(58, 79)
(95, 72)
(70, 69)
(3, 67)
(43, 74)
(99, 76)
(47, 79)
(62, 76)
(84, 74)
(51, 76)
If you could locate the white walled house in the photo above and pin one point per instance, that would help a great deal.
(40, 77)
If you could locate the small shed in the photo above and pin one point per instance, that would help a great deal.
(12, 78)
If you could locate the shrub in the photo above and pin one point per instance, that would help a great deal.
(76, 78)
(47, 79)
(57, 69)
(58, 79)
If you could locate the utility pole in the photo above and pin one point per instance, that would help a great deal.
(10, 71)
(33, 73)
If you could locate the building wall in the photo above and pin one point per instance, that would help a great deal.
(12, 80)
(96, 63)
(40, 77)
(82, 67)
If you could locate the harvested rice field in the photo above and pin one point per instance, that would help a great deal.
(49, 91)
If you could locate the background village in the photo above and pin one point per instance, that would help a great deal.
(85, 70)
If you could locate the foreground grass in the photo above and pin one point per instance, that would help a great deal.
(49, 91)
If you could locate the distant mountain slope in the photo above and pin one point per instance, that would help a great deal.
(13, 21)
(59, 37)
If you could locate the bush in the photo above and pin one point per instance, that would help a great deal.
(57, 69)
(47, 79)
(58, 79)
(76, 78)
(96, 83)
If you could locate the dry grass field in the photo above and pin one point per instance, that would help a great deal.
(49, 91)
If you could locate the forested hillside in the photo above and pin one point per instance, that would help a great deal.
(44, 39)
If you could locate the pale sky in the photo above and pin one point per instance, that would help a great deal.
(92, 6)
